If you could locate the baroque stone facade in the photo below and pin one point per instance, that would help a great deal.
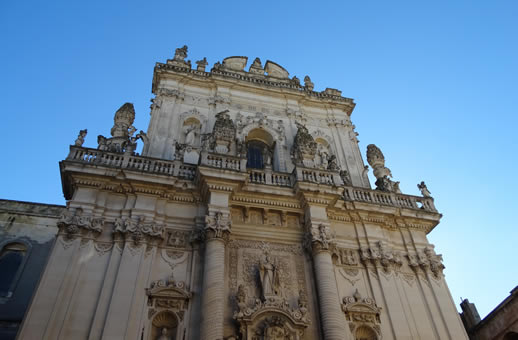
(248, 215)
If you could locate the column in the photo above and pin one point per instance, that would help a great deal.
(319, 240)
(216, 233)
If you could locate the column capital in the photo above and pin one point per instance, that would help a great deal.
(217, 226)
(319, 237)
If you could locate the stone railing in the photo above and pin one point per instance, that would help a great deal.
(131, 162)
(269, 177)
(388, 198)
(223, 161)
(318, 176)
(259, 176)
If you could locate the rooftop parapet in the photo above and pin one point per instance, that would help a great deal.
(271, 75)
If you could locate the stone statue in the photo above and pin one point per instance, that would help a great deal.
(179, 150)
(332, 163)
(346, 178)
(180, 53)
(424, 190)
(191, 134)
(304, 148)
(81, 137)
(163, 335)
(241, 299)
(268, 273)
(308, 84)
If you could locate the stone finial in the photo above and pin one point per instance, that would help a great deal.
(376, 160)
(308, 84)
(81, 137)
(202, 64)
(123, 120)
(424, 190)
(295, 81)
(256, 67)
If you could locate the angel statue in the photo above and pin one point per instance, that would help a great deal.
(424, 190)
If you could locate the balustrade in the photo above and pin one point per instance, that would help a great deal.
(266, 176)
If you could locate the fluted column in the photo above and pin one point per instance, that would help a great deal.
(216, 233)
(319, 240)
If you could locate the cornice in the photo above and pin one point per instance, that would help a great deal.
(254, 80)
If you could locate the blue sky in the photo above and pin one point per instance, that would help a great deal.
(435, 85)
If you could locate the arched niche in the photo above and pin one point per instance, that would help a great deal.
(365, 333)
(191, 129)
(164, 326)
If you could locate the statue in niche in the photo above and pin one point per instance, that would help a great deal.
(268, 272)
(81, 137)
(163, 335)
(191, 134)
(424, 190)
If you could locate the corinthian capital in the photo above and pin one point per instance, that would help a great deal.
(217, 225)
(139, 231)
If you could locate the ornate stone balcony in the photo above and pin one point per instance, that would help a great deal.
(130, 162)
(266, 176)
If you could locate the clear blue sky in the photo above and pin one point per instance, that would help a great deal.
(435, 85)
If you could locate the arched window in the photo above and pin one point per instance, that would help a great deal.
(256, 154)
(11, 259)
(260, 149)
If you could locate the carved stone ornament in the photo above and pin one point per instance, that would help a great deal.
(81, 137)
(381, 255)
(138, 231)
(201, 64)
(424, 190)
(217, 225)
(256, 67)
(308, 84)
(72, 225)
(273, 319)
(223, 133)
(304, 147)
(179, 58)
(168, 295)
(122, 140)
(319, 237)
(363, 316)
(376, 160)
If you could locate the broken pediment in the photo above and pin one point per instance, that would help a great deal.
(276, 70)
(235, 63)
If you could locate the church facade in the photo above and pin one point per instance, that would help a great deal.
(248, 215)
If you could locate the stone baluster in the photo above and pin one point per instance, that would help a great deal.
(216, 233)
(319, 241)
